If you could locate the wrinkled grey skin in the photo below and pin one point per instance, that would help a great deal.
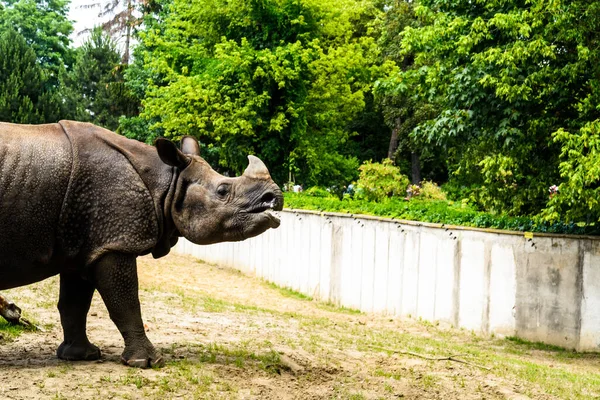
(83, 202)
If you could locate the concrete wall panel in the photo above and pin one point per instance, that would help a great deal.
(471, 299)
(503, 288)
(590, 303)
(548, 292)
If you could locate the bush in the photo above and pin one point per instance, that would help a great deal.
(317, 191)
(431, 191)
(436, 211)
(379, 181)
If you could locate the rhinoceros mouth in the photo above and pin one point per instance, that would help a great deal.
(265, 209)
(262, 207)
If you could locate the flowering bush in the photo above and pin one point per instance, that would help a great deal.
(431, 191)
(380, 181)
(413, 190)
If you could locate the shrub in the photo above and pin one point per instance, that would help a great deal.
(431, 191)
(317, 191)
(379, 181)
(437, 211)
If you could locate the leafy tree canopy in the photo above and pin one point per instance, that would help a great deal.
(25, 95)
(283, 79)
(98, 80)
(45, 27)
(516, 86)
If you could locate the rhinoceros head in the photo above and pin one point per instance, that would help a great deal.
(208, 207)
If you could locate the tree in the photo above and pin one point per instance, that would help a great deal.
(122, 20)
(45, 27)
(98, 76)
(283, 79)
(503, 76)
(401, 110)
(25, 95)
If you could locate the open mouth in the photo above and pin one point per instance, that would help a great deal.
(266, 207)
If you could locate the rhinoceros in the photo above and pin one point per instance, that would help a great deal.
(83, 202)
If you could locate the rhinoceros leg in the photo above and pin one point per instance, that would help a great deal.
(73, 304)
(115, 277)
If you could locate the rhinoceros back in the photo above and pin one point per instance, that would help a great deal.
(35, 167)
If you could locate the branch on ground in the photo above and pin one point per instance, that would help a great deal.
(448, 358)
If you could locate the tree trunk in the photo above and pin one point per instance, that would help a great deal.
(394, 140)
(127, 33)
(415, 161)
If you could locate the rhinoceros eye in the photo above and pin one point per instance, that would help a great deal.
(223, 190)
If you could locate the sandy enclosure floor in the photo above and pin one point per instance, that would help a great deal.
(226, 335)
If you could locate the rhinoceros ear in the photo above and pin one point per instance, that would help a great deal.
(189, 145)
(170, 154)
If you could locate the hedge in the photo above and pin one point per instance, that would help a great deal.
(442, 212)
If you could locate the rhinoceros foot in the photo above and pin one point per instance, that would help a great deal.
(142, 357)
(78, 351)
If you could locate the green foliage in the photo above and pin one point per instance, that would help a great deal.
(402, 110)
(98, 77)
(578, 196)
(379, 181)
(34, 57)
(26, 96)
(316, 191)
(46, 29)
(442, 212)
(431, 191)
(500, 98)
(283, 79)
(504, 75)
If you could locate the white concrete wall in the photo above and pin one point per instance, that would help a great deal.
(546, 289)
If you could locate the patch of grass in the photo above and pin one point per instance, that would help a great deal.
(327, 306)
(559, 379)
(193, 301)
(65, 367)
(136, 378)
(241, 355)
(388, 374)
(287, 292)
(9, 332)
(388, 388)
(428, 381)
(525, 344)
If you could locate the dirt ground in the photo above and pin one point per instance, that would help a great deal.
(226, 335)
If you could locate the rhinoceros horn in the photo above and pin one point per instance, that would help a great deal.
(189, 145)
(256, 169)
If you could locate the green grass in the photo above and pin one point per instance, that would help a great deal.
(327, 306)
(508, 358)
(195, 376)
(525, 344)
(289, 293)
(9, 332)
